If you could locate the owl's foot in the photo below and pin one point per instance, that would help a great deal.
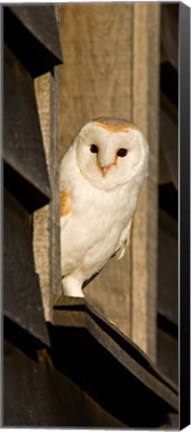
(72, 287)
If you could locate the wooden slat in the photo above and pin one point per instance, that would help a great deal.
(145, 109)
(22, 298)
(37, 26)
(26, 173)
(46, 234)
(41, 231)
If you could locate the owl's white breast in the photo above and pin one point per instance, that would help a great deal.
(90, 234)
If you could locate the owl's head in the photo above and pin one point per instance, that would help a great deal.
(111, 152)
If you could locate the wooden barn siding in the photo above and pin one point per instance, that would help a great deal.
(83, 380)
(26, 182)
(46, 235)
(111, 68)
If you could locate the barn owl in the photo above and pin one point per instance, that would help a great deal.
(101, 175)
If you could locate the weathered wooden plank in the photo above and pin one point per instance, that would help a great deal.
(46, 233)
(145, 107)
(55, 275)
(37, 26)
(22, 298)
(41, 223)
(23, 148)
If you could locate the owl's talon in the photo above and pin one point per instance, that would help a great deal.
(71, 287)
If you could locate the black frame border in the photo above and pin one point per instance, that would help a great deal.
(184, 213)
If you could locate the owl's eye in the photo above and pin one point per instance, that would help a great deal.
(94, 148)
(122, 152)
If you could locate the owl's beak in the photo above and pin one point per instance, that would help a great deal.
(105, 162)
(105, 170)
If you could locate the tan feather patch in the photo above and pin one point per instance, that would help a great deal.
(65, 202)
(115, 125)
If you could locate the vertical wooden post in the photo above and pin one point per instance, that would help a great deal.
(144, 234)
(41, 217)
(46, 229)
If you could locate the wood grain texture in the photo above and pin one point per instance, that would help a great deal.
(41, 229)
(144, 234)
(95, 77)
(46, 239)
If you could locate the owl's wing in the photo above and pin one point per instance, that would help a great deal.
(67, 169)
(120, 249)
(123, 241)
(66, 215)
(65, 204)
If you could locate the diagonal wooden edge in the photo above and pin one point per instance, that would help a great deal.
(75, 312)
